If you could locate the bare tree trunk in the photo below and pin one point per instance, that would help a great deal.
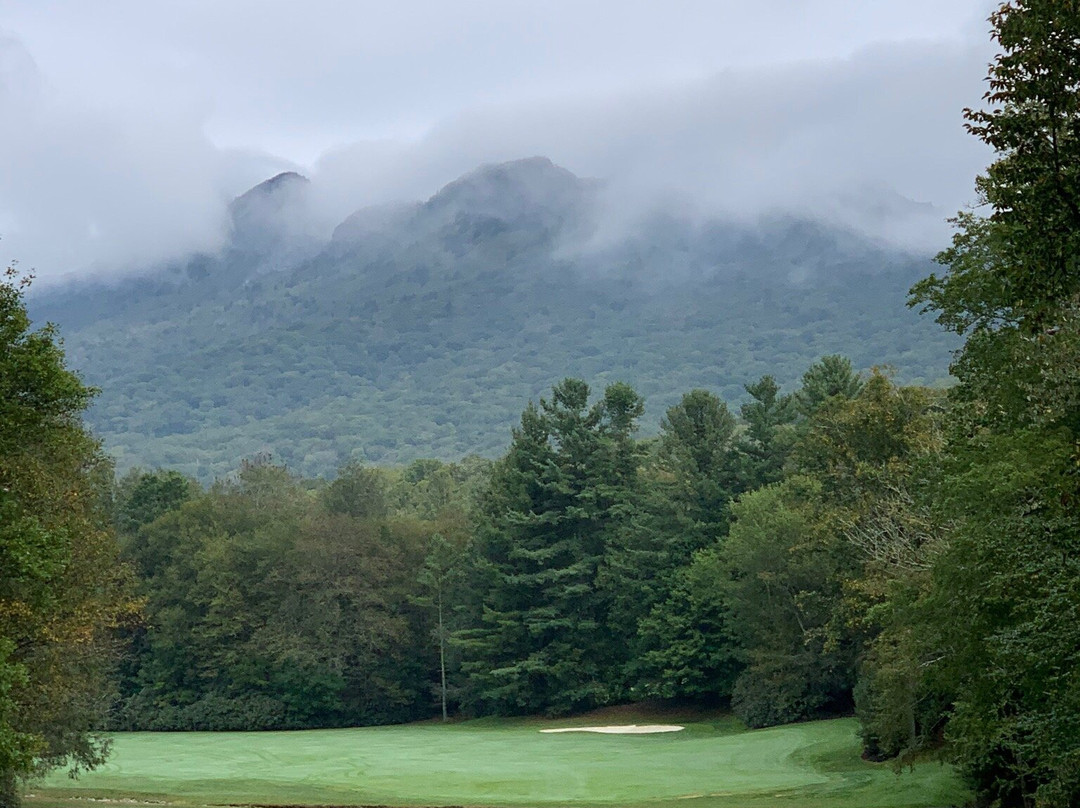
(442, 656)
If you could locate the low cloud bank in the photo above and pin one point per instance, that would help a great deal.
(874, 142)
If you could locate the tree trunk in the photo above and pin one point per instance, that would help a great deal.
(9, 790)
(442, 656)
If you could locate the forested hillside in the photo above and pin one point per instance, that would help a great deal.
(418, 330)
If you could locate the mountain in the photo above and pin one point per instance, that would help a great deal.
(424, 329)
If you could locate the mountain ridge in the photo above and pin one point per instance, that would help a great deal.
(423, 329)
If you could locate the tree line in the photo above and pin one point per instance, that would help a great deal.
(801, 558)
(909, 554)
(584, 568)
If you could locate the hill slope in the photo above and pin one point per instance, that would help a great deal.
(422, 330)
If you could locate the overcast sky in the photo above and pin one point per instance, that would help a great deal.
(129, 125)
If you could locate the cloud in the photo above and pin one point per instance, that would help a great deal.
(89, 189)
(129, 158)
(296, 79)
(874, 141)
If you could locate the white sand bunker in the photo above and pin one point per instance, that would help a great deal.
(622, 729)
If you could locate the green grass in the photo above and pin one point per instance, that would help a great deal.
(711, 764)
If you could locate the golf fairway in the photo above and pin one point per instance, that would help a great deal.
(710, 764)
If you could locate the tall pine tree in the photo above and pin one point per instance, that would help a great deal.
(554, 504)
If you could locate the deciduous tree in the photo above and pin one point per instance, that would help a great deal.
(1005, 588)
(61, 587)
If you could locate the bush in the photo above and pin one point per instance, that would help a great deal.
(769, 694)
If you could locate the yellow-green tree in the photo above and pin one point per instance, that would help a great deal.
(61, 590)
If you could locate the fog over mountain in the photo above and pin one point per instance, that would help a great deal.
(418, 329)
(134, 128)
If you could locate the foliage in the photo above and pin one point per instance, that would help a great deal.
(550, 516)
(683, 648)
(686, 647)
(830, 376)
(439, 578)
(698, 453)
(583, 568)
(423, 337)
(61, 589)
(782, 572)
(270, 608)
(141, 496)
(1004, 603)
(358, 492)
(1000, 596)
(769, 435)
(810, 560)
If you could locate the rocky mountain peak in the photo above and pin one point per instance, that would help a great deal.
(519, 189)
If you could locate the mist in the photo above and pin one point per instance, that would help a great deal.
(118, 182)
(874, 142)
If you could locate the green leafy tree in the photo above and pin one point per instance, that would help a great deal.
(267, 610)
(1032, 188)
(144, 496)
(61, 587)
(784, 570)
(1012, 277)
(357, 491)
(1003, 593)
(698, 452)
(1006, 609)
(860, 447)
(439, 577)
(809, 558)
(352, 615)
(873, 456)
(505, 575)
(687, 648)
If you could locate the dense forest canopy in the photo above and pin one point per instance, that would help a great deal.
(419, 331)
